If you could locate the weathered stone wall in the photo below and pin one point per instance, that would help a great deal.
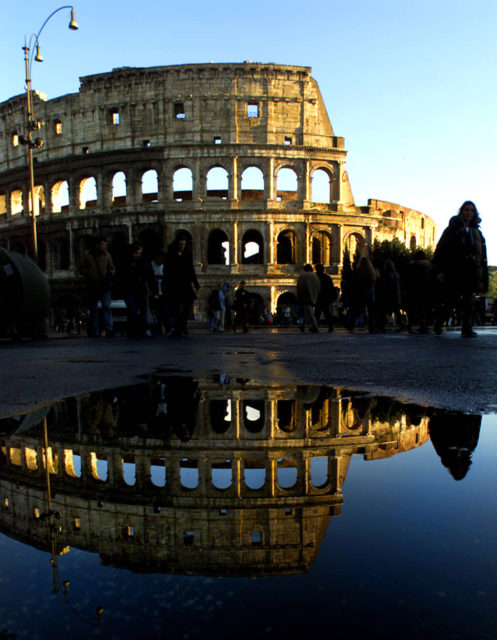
(236, 118)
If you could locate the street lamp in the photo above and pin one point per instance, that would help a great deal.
(32, 52)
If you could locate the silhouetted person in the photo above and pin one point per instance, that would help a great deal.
(241, 305)
(97, 268)
(308, 287)
(454, 437)
(181, 284)
(460, 261)
(418, 292)
(134, 280)
(362, 294)
(389, 296)
(326, 297)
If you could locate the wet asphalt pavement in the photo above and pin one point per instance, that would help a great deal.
(440, 371)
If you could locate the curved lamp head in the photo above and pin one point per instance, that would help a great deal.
(73, 24)
(38, 56)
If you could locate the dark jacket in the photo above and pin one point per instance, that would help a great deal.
(180, 277)
(461, 255)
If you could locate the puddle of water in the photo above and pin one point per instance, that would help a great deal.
(359, 514)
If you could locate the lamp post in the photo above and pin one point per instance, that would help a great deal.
(32, 124)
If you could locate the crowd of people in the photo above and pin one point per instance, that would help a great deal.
(159, 293)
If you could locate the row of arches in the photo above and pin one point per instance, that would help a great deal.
(124, 188)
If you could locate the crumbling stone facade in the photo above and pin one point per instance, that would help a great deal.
(241, 158)
(251, 491)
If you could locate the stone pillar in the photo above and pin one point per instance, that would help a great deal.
(104, 191)
(270, 183)
(306, 179)
(235, 180)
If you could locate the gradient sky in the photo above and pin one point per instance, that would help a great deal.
(410, 84)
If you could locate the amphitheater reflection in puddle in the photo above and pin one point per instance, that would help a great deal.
(179, 478)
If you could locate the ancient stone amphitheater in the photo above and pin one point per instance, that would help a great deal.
(241, 158)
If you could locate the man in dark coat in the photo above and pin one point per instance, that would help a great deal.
(308, 287)
(460, 262)
(180, 282)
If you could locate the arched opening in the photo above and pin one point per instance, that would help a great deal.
(218, 247)
(60, 197)
(217, 183)
(252, 186)
(286, 247)
(412, 243)
(220, 415)
(321, 186)
(16, 204)
(287, 472)
(319, 471)
(39, 199)
(254, 474)
(99, 466)
(285, 415)
(286, 308)
(151, 241)
(286, 185)
(321, 248)
(182, 184)
(88, 193)
(252, 247)
(222, 474)
(150, 186)
(129, 471)
(356, 246)
(72, 463)
(119, 188)
(158, 472)
(253, 415)
(188, 472)
(3, 202)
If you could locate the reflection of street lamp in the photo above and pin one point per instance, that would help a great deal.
(33, 125)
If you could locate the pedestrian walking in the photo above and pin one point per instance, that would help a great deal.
(241, 307)
(326, 297)
(460, 262)
(181, 284)
(308, 287)
(97, 268)
(134, 280)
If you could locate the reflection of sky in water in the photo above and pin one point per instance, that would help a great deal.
(411, 556)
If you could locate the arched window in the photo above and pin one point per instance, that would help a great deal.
(220, 415)
(356, 246)
(254, 474)
(60, 196)
(286, 308)
(286, 248)
(222, 474)
(286, 185)
(150, 186)
(287, 472)
(16, 204)
(217, 183)
(252, 184)
(412, 243)
(285, 411)
(218, 248)
(321, 186)
(252, 247)
(253, 415)
(321, 248)
(182, 184)
(119, 188)
(3, 202)
(319, 471)
(188, 473)
(88, 193)
(39, 199)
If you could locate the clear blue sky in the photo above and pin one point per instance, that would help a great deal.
(410, 84)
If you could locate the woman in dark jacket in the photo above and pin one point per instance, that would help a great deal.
(460, 262)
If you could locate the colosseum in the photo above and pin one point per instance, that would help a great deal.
(240, 157)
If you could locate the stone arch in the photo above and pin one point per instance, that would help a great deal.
(355, 243)
(321, 247)
(321, 185)
(88, 194)
(39, 199)
(60, 196)
(412, 242)
(119, 189)
(252, 247)
(286, 307)
(151, 241)
(253, 415)
(222, 474)
(16, 202)
(219, 414)
(254, 474)
(182, 184)
(287, 247)
(150, 185)
(287, 472)
(218, 247)
(286, 415)
(252, 184)
(287, 184)
(217, 183)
